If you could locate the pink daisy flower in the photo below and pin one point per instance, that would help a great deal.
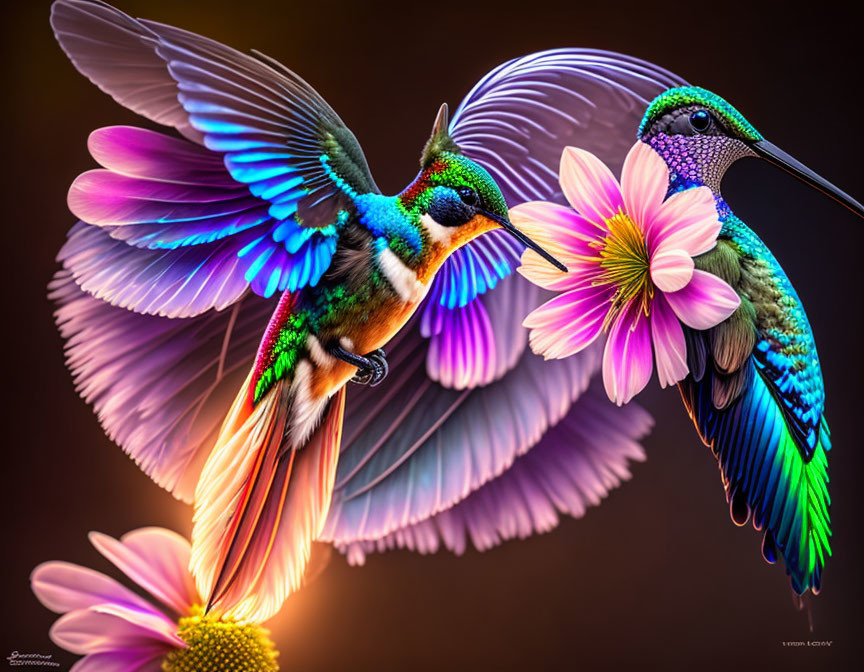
(632, 276)
(116, 630)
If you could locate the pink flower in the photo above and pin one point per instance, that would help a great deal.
(630, 255)
(118, 631)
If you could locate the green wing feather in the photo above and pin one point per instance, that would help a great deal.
(756, 397)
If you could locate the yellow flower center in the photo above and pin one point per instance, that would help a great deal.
(626, 265)
(221, 645)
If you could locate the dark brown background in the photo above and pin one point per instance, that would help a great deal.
(657, 575)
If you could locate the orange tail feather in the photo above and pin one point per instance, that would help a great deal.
(259, 507)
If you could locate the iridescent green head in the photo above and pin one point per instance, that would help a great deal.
(452, 184)
(691, 110)
(700, 135)
(458, 194)
(458, 189)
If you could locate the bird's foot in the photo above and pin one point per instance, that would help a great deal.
(375, 372)
(373, 367)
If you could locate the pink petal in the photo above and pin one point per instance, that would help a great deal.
(108, 627)
(589, 185)
(537, 270)
(687, 221)
(157, 560)
(705, 302)
(568, 323)
(557, 226)
(562, 232)
(126, 660)
(670, 348)
(627, 358)
(543, 274)
(671, 270)
(644, 183)
(62, 587)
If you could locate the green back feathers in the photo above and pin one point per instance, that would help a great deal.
(694, 95)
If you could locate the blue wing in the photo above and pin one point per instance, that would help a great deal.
(756, 396)
(276, 173)
(787, 359)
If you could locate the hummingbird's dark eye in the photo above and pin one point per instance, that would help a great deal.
(468, 196)
(700, 121)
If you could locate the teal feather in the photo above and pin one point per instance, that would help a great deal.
(771, 438)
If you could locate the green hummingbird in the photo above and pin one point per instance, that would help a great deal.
(755, 390)
(269, 191)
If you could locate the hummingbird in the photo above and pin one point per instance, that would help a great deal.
(755, 390)
(166, 296)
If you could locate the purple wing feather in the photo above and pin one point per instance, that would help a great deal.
(517, 120)
(166, 283)
(136, 152)
(117, 54)
(449, 444)
(575, 465)
(150, 210)
(477, 344)
(262, 125)
(160, 387)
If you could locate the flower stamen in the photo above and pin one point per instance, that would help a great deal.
(214, 644)
(624, 258)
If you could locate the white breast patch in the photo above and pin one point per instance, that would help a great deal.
(402, 278)
(437, 232)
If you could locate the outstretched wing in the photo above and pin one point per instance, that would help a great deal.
(519, 117)
(161, 387)
(574, 466)
(272, 174)
(756, 396)
(154, 298)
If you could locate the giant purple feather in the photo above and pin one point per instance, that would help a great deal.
(160, 387)
(575, 465)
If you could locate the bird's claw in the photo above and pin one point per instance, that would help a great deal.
(375, 371)
(373, 367)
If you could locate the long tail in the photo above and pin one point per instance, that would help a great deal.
(261, 502)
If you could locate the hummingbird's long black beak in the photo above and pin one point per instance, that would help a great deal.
(778, 157)
(507, 225)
